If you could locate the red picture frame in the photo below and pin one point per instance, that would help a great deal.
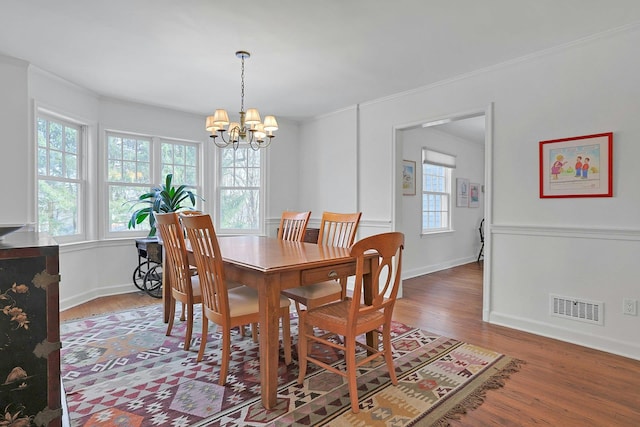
(580, 166)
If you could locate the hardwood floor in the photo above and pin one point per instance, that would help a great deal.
(560, 384)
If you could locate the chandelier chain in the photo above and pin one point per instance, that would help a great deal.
(242, 87)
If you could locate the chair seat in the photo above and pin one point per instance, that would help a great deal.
(303, 294)
(244, 300)
(334, 316)
(195, 286)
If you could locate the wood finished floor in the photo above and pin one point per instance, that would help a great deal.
(561, 384)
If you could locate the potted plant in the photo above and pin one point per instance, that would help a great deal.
(164, 198)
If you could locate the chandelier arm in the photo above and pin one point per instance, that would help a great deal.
(221, 135)
(223, 144)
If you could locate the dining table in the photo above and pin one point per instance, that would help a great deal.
(269, 265)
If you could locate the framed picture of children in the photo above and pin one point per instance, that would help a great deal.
(580, 166)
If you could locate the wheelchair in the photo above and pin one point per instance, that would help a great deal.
(147, 276)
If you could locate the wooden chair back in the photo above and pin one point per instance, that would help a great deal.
(168, 224)
(338, 229)
(386, 273)
(206, 251)
(352, 317)
(293, 225)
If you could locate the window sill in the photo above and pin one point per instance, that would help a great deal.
(436, 233)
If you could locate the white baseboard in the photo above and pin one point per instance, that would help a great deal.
(68, 303)
(621, 348)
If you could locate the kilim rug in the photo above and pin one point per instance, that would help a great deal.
(121, 370)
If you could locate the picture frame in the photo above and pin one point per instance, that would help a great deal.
(474, 195)
(580, 166)
(408, 178)
(462, 192)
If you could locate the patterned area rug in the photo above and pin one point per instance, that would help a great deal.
(121, 370)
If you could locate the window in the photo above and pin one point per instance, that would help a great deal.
(60, 178)
(135, 164)
(436, 191)
(240, 178)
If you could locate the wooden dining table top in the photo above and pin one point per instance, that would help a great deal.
(269, 254)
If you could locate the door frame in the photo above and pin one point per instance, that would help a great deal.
(487, 111)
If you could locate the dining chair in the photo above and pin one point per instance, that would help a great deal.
(351, 317)
(336, 229)
(224, 305)
(185, 285)
(293, 225)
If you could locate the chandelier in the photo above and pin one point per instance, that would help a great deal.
(250, 129)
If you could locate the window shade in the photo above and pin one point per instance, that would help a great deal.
(439, 159)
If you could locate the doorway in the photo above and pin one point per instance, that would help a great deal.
(467, 137)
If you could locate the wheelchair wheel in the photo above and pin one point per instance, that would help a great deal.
(139, 273)
(153, 281)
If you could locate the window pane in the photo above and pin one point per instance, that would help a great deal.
(240, 178)
(42, 133)
(55, 163)
(253, 177)
(180, 159)
(167, 153)
(129, 149)
(114, 147)
(55, 136)
(227, 177)
(191, 155)
(71, 140)
(71, 166)
(42, 161)
(178, 174)
(58, 207)
(191, 176)
(239, 209)
(120, 207)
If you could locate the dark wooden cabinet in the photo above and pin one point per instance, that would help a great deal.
(30, 391)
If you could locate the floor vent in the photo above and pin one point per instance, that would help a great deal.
(577, 309)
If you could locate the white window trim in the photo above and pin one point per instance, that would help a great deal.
(262, 199)
(448, 162)
(156, 177)
(84, 212)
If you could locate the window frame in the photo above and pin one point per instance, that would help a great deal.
(261, 193)
(81, 179)
(447, 168)
(156, 177)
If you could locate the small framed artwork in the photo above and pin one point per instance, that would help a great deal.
(581, 166)
(462, 192)
(474, 195)
(408, 178)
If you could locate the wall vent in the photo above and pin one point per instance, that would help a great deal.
(577, 309)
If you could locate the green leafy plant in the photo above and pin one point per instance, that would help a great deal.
(164, 198)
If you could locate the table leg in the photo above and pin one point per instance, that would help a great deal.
(269, 294)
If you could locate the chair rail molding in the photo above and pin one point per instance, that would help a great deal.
(569, 232)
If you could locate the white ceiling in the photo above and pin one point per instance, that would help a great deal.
(308, 57)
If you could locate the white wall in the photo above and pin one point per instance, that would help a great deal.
(433, 252)
(328, 165)
(582, 248)
(14, 162)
